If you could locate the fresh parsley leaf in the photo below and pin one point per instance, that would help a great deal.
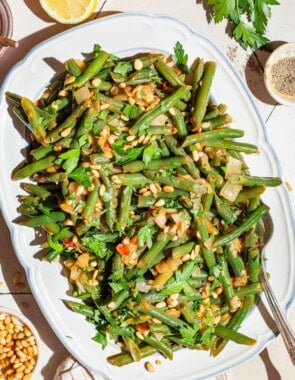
(123, 68)
(101, 337)
(98, 247)
(71, 158)
(117, 287)
(262, 13)
(247, 36)
(106, 237)
(208, 319)
(96, 49)
(185, 273)
(123, 156)
(131, 111)
(151, 152)
(81, 176)
(145, 235)
(188, 334)
(205, 338)
(222, 8)
(249, 19)
(55, 245)
(180, 58)
(103, 114)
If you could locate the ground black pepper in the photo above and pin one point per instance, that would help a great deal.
(283, 76)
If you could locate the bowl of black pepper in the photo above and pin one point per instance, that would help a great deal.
(279, 74)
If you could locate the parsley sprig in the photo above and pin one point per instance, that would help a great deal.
(249, 19)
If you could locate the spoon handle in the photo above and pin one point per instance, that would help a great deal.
(282, 324)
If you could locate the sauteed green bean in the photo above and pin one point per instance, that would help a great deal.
(144, 196)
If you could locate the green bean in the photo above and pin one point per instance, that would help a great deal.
(250, 289)
(234, 324)
(98, 158)
(225, 278)
(58, 105)
(150, 257)
(42, 151)
(160, 345)
(198, 72)
(229, 333)
(226, 144)
(157, 328)
(133, 348)
(215, 112)
(162, 316)
(118, 299)
(236, 262)
(173, 146)
(37, 118)
(158, 130)
(22, 117)
(212, 135)
(143, 201)
(164, 148)
(176, 182)
(183, 249)
(125, 358)
(132, 179)
(33, 167)
(37, 190)
(92, 69)
(248, 193)
(153, 297)
(162, 107)
(13, 98)
(253, 264)
(91, 201)
(179, 122)
(73, 68)
(125, 203)
(41, 220)
(138, 166)
(114, 104)
(51, 255)
(111, 204)
(54, 177)
(52, 91)
(228, 214)
(217, 122)
(238, 179)
(171, 77)
(70, 122)
(246, 224)
(146, 75)
(81, 308)
(202, 96)
(189, 315)
(148, 60)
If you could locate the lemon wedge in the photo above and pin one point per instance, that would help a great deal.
(69, 11)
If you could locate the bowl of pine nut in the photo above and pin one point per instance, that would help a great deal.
(19, 348)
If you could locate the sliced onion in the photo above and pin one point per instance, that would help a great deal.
(161, 219)
(233, 166)
(142, 286)
(230, 191)
(82, 94)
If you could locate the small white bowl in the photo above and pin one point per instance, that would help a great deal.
(284, 51)
(26, 322)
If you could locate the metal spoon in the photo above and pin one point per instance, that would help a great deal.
(281, 322)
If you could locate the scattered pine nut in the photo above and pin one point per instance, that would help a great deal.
(149, 367)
